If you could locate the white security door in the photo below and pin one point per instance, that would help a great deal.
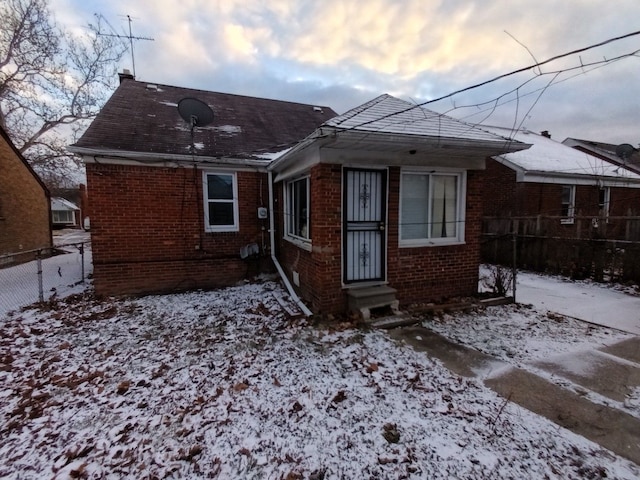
(364, 214)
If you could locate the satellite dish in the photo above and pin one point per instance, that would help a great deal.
(624, 151)
(195, 112)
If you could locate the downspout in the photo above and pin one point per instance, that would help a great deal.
(272, 238)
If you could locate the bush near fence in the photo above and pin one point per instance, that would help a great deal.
(577, 250)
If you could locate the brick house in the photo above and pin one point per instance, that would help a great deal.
(24, 206)
(385, 198)
(172, 207)
(383, 205)
(576, 193)
(71, 199)
(628, 157)
(64, 213)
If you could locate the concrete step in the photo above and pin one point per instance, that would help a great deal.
(365, 299)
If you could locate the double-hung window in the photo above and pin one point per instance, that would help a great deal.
(297, 209)
(568, 204)
(220, 202)
(432, 208)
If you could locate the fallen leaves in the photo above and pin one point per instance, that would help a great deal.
(390, 433)
(123, 387)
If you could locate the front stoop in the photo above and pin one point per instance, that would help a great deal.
(364, 299)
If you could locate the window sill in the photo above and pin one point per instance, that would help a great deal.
(428, 243)
(222, 230)
(566, 221)
(303, 244)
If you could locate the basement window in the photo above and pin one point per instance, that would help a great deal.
(220, 191)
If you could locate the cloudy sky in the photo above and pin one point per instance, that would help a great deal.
(341, 53)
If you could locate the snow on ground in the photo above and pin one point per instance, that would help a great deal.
(524, 335)
(62, 276)
(223, 385)
(585, 300)
(520, 334)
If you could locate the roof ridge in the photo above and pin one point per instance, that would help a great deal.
(349, 114)
(178, 87)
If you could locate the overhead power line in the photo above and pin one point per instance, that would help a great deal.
(509, 74)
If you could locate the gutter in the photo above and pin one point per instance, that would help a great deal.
(117, 157)
(272, 238)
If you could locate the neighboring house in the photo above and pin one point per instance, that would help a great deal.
(24, 206)
(385, 200)
(383, 204)
(172, 207)
(576, 194)
(65, 214)
(78, 197)
(616, 154)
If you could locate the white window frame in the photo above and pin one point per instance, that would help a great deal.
(206, 201)
(300, 240)
(69, 214)
(571, 209)
(461, 195)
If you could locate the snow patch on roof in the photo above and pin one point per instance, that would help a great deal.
(169, 104)
(272, 155)
(228, 129)
(59, 203)
(547, 155)
(196, 145)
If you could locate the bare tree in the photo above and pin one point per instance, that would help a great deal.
(51, 82)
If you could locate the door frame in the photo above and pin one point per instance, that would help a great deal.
(384, 171)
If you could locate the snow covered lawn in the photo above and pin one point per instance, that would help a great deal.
(223, 385)
(520, 334)
(525, 337)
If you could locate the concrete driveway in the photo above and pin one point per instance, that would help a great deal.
(615, 373)
(585, 301)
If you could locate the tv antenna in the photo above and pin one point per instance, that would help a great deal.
(130, 37)
(196, 113)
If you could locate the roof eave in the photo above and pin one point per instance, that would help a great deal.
(91, 155)
(532, 176)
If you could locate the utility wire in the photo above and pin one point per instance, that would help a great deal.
(504, 75)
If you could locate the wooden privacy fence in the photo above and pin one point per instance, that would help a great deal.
(605, 250)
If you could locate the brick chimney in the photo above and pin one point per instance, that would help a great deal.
(126, 75)
(545, 133)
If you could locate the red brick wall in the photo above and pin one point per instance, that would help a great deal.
(504, 197)
(319, 270)
(500, 195)
(147, 230)
(419, 274)
(423, 274)
(24, 205)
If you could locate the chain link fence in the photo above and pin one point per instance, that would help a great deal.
(61, 272)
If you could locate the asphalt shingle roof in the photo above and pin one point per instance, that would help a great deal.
(143, 117)
(547, 155)
(388, 114)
